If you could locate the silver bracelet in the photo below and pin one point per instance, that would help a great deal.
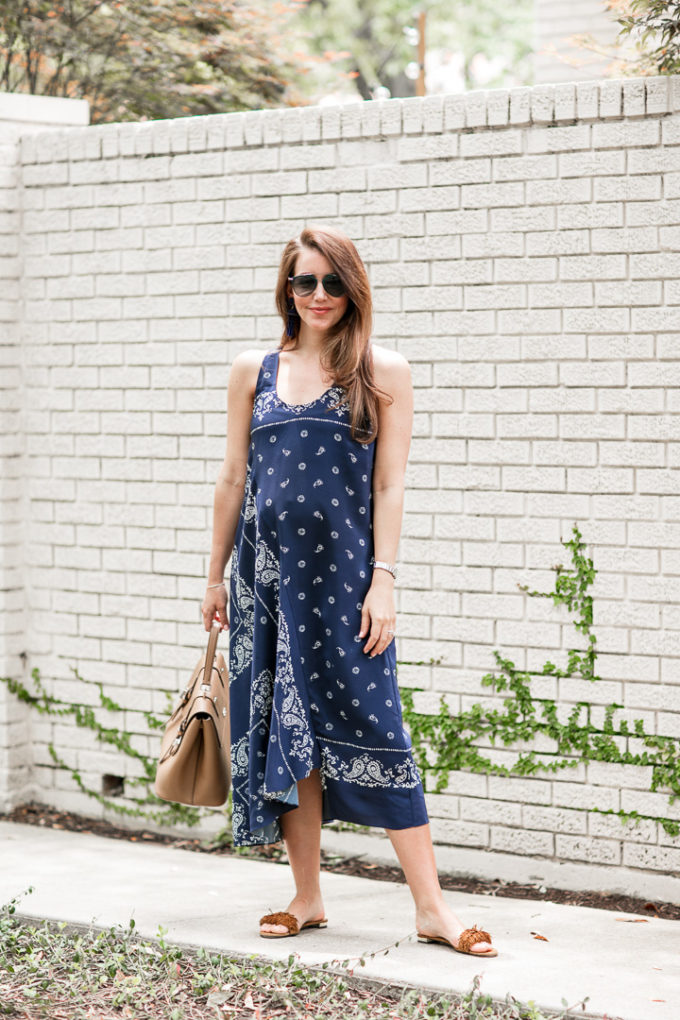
(392, 567)
(215, 585)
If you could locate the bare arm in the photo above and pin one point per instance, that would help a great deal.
(395, 425)
(230, 485)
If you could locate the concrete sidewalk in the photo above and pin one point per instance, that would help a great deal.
(628, 970)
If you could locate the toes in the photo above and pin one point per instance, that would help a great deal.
(275, 929)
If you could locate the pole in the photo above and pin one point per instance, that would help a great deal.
(420, 83)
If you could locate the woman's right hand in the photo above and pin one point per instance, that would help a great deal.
(215, 607)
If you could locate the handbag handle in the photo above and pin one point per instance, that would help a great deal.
(206, 669)
(210, 651)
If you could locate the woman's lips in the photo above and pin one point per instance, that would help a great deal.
(320, 311)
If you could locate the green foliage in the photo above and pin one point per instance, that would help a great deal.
(150, 59)
(447, 741)
(365, 40)
(84, 716)
(648, 41)
(50, 968)
(655, 25)
(444, 741)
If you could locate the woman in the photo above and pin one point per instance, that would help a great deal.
(310, 499)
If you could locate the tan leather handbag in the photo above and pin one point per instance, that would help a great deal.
(194, 765)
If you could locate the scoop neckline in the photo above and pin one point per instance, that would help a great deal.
(285, 403)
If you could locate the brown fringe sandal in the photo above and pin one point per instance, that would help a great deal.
(466, 939)
(289, 921)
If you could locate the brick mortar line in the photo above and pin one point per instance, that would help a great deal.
(545, 104)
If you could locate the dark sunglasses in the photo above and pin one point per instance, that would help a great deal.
(305, 284)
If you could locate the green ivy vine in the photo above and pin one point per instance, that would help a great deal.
(446, 741)
(148, 805)
(442, 742)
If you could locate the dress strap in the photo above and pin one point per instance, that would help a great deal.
(266, 379)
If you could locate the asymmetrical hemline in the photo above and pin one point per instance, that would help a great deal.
(303, 693)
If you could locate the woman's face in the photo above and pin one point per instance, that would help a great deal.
(330, 309)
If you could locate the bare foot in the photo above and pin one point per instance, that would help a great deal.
(304, 910)
(443, 922)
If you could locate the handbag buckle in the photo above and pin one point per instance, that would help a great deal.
(172, 749)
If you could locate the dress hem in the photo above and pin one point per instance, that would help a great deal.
(416, 813)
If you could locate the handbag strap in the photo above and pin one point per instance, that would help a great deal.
(210, 651)
(205, 670)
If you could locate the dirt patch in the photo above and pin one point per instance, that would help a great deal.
(41, 814)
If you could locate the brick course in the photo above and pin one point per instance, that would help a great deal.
(520, 249)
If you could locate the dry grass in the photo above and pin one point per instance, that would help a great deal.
(57, 971)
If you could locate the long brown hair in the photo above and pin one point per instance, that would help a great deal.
(346, 353)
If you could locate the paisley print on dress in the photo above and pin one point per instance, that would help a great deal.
(303, 694)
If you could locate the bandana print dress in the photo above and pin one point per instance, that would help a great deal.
(303, 694)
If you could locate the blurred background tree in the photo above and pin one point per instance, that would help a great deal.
(148, 59)
(470, 44)
(648, 41)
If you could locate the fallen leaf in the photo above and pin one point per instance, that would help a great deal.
(248, 1001)
(541, 937)
(652, 906)
(216, 998)
(633, 920)
(658, 1000)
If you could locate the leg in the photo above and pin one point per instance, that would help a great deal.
(302, 835)
(416, 855)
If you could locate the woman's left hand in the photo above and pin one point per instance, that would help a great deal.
(378, 612)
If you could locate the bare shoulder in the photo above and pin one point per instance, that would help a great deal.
(391, 370)
(245, 369)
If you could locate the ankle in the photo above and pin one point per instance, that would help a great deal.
(308, 899)
(431, 907)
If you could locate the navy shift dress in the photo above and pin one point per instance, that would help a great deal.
(303, 694)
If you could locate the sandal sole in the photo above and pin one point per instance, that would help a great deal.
(463, 952)
(293, 934)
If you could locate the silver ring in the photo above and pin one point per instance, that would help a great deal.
(391, 632)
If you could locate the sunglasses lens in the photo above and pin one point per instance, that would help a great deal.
(333, 285)
(305, 284)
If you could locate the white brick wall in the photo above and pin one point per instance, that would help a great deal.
(522, 249)
(19, 115)
(14, 756)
